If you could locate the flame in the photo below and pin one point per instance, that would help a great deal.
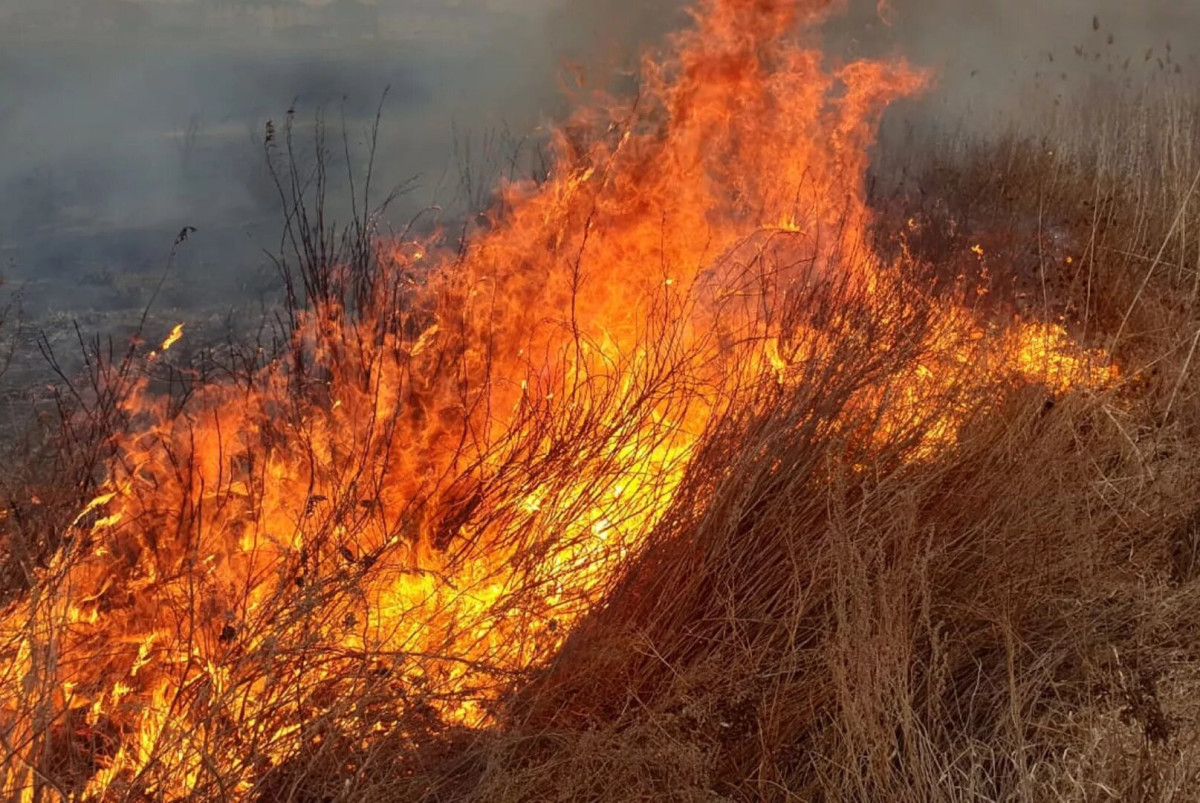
(404, 524)
(173, 337)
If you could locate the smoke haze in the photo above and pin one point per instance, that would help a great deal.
(122, 121)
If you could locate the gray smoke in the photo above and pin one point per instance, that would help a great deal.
(121, 121)
(998, 61)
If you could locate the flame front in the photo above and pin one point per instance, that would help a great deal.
(399, 526)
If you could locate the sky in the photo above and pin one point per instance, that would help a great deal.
(123, 120)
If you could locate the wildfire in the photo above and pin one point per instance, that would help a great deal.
(173, 337)
(400, 530)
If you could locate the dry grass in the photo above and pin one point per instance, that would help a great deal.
(813, 619)
(1014, 620)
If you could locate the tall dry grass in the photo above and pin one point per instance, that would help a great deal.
(1013, 620)
(818, 616)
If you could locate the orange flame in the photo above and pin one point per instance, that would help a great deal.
(418, 517)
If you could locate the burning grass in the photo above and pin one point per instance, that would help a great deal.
(690, 473)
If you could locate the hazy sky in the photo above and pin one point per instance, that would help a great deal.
(147, 114)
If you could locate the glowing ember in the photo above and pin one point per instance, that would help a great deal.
(173, 337)
(403, 527)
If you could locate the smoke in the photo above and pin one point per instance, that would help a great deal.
(1006, 60)
(603, 40)
(121, 121)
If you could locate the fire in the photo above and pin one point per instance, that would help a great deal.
(173, 337)
(397, 527)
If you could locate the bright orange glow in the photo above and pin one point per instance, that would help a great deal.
(173, 337)
(416, 518)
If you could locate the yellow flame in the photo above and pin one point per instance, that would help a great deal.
(173, 337)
